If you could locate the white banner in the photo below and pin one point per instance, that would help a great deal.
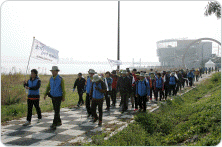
(41, 51)
(114, 62)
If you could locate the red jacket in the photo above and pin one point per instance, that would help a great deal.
(115, 79)
(135, 78)
(150, 81)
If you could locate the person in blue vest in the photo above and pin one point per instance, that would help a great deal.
(172, 84)
(108, 81)
(158, 86)
(142, 91)
(148, 79)
(88, 87)
(97, 91)
(190, 77)
(56, 91)
(33, 85)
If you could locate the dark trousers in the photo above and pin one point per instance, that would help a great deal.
(166, 88)
(107, 97)
(158, 90)
(95, 103)
(124, 100)
(196, 78)
(172, 88)
(80, 97)
(177, 87)
(88, 108)
(30, 106)
(142, 102)
(190, 81)
(113, 96)
(152, 92)
(136, 102)
(56, 101)
(187, 82)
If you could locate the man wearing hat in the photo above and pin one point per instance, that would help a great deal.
(114, 84)
(33, 85)
(142, 91)
(88, 87)
(124, 85)
(97, 91)
(80, 83)
(56, 90)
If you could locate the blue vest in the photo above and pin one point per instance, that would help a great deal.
(33, 84)
(190, 75)
(172, 80)
(55, 85)
(142, 88)
(88, 85)
(159, 83)
(96, 93)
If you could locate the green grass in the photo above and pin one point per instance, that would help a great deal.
(195, 114)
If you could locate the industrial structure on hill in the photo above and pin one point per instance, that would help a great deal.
(171, 51)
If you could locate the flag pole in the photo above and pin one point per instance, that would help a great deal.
(30, 56)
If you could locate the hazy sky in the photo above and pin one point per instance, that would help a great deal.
(87, 30)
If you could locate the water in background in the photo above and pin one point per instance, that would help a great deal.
(64, 68)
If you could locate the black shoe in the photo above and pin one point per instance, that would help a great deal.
(100, 123)
(89, 115)
(95, 119)
(53, 127)
(59, 124)
(140, 110)
(78, 105)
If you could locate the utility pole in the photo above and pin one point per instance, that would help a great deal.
(118, 40)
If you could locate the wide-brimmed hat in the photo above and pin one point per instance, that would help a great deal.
(96, 78)
(55, 68)
(123, 72)
(91, 71)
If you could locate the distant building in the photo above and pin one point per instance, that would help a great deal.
(170, 53)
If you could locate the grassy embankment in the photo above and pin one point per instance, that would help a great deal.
(192, 119)
(13, 96)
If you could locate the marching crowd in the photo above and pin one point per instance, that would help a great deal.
(138, 86)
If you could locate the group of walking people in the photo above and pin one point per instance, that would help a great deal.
(138, 86)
